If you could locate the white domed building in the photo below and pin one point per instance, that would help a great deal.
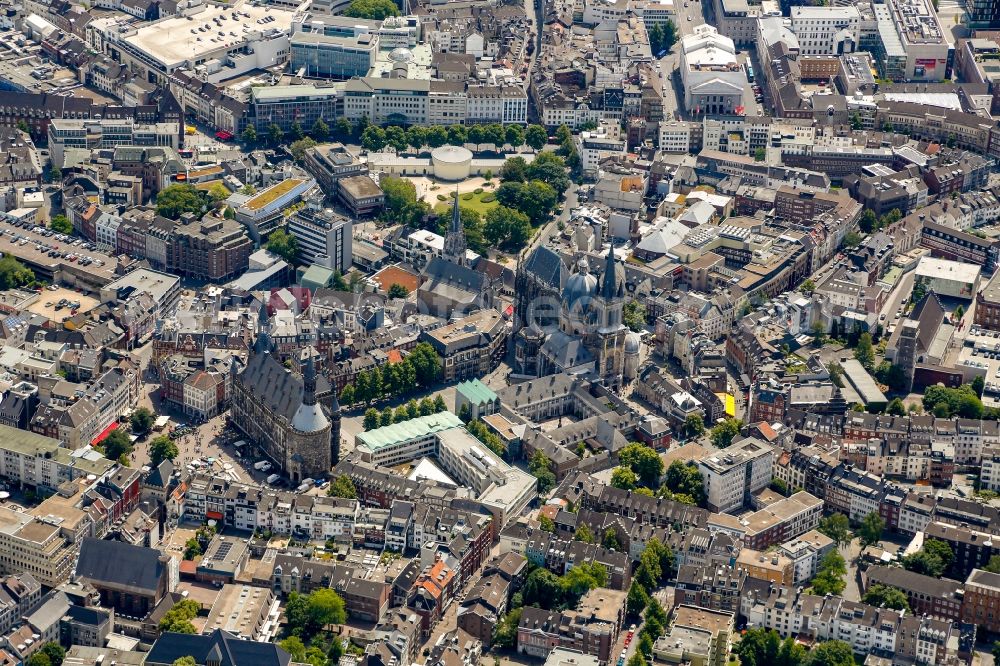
(451, 163)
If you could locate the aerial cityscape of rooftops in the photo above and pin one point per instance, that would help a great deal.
(500, 332)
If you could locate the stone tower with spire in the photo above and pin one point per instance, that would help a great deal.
(610, 331)
(454, 241)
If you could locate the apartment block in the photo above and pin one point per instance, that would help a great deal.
(732, 476)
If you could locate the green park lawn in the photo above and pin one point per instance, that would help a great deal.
(475, 202)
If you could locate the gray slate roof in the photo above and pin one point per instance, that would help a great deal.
(120, 564)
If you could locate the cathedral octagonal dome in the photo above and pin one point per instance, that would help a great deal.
(579, 288)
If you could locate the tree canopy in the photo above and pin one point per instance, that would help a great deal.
(724, 433)
(283, 244)
(117, 445)
(179, 198)
(342, 486)
(685, 481)
(162, 448)
(309, 613)
(934, 559)
(837, 527)
(14, 274)
(644, 461)
(61, 224)
(830, 573)
(178, 619)
(870, 530)
(888, 596)
(141, 420)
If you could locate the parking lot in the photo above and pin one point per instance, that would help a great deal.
(54, 244)
(50, 254)
(59, 304)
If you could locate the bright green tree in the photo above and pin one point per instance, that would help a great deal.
(283, 244)
(141, 420)
(837, 527)
(342, 486)
(870, 530)
(830, 573)
(179, 198)
(162, 448)
(644, 461)
(724, 433)
(624, 478)
(536, 136)
(61, 224)
(634, 315)
(887, 596)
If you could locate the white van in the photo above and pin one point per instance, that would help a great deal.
(274, 477)
(261, 464)
(308, 482)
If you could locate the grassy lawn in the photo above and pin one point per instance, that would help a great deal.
(475, 203)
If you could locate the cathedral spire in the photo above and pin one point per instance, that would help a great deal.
(456, 216)
(454, 242)
(609, 286)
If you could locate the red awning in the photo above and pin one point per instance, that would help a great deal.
(213, 515)
(104, 433)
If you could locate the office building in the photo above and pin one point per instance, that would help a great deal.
(826, 30)
(285, 105)
(317, 55)
(107, 133)
(324, 237)
(733, 475)
(913, 46)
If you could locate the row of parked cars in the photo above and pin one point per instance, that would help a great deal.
(54, 250)
(278, 480)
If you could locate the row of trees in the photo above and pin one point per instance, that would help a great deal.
(838, 527)
(319, 132)
(420, 369)
(641, 470)
(411, 410)
(544, 589)
(541, 468)
(764, 647)
(871, 223)
(417, 137)
(479, 430)
(14, 274)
